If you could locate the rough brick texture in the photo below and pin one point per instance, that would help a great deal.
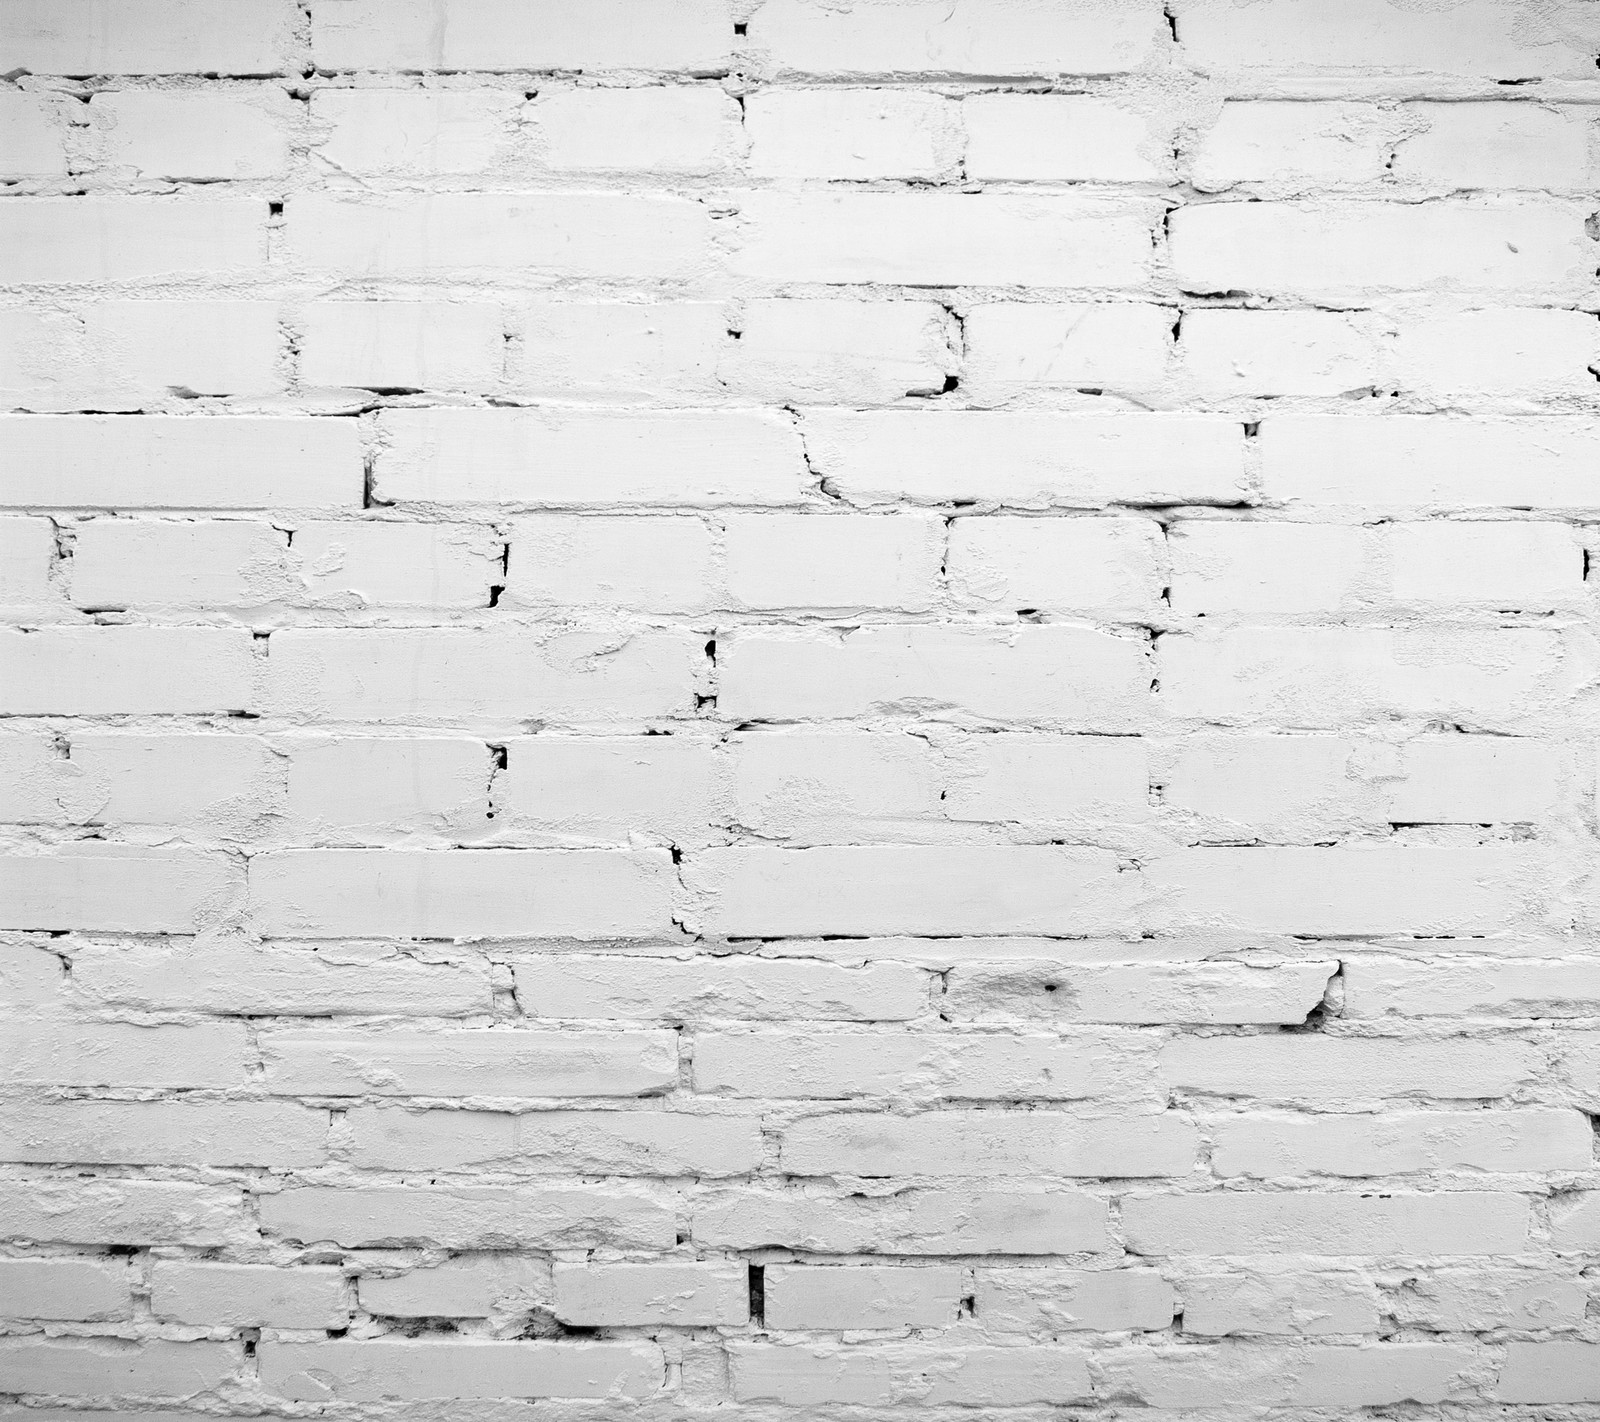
(793, 709)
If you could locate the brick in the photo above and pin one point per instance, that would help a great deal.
(750, 988)
(623, 350)
(1427, 461)
(470, 1063)
(1518, 987)
(472, 1286)
(412, 132)
(1028, 1300)
(1295, 145)
(1066, 676)
(853, 133)
(165, 1133)
(1499, 351)
(822, 1065)
(1232, 1375)
(913, 889)
(114, 887)
(367, 785)
(1285, 787)
(31, 975)
(1045, 781)
(1218, 993)
(1024, 1143)
(1069, 564)
(65, 1210)
(1279, 1302)
(247, 1295)
(401, 345)
(657, 564)
(589, 1142)
(190, 135)
(1475, 1299)
(123, 563)
(1047, 459)
(210, 1055)
(1487, 38)
(672, 129)
(1475, 780)
(648, 1295)
(106, 1367)
(1266, 1147)
(316, 980)
(125, 670)
(1330, 1073)
(1015, 347)
(79, 37)
(76, 1289)
(1553, 1371)
(156, 461)
(504, 34)
(861, 1296)
(1062, 138)
(1495, 146)
(33, 141)
(1575, 1225)
(472, 1217)
(1319, 677)
(70, 240)
(848, 560)
(560, 234)
(1457, 1222)
(840, 351)
(1018, 1221)
(808, 1375)
(609, 790)
(803, 787)
(396, 564)
(376, 1369)
(128, 355)
(1328, 251)
(1264, 568)
(423, 675)
(465, 892)
(983, 38)
(946, 239)
(1497, 564)
(531, 458)
(1228, 354)
(27, 551)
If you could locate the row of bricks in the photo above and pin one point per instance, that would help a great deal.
(129, 355)
(797, 787)
(858, 134)
(1491, 39)
(907, 1376)
(1319, 1070)
(952, 1143)
(1201, 1300)
(1020, 1219)
(760, 891)
(1348, 250)
(662, 566)
(1056, 676)
(1026, 981)
(605, 458)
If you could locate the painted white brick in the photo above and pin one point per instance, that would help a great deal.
(281, 1135)
(802, 1376)
(624, 350)
(149, 36)
(140, 1212)
(86, 1290)
(1279, 1301)
(1055, 563)
(1503, 565)
(1048, 781)
(852, 133)
(412, 132)
(125, 670)
(1015, 347)
(683, 1295)
(648, 130)
(462, 1287)
(120, 239)
(370, 784)
(211, 1055)
(1496, 146)
(31, 138)
(1475, 780)
(1470, 1300)
(1500, 351)
(1229, 353)
(1062, 138)
(122, 563)
(1069, 1300)
(90, 1367)
(806, 560)
(423, 345)
(27, 550)
(658, 564)
(861, 1296)
(217, 783)
(246, 1295)
(192, 135)
(1296, 145)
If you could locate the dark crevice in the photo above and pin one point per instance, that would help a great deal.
(758, 1295)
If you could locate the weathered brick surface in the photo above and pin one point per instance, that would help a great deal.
(877, 709)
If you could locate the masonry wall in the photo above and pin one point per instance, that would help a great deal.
(799, 709)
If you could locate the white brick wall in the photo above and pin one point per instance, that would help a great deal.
(794, 708)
